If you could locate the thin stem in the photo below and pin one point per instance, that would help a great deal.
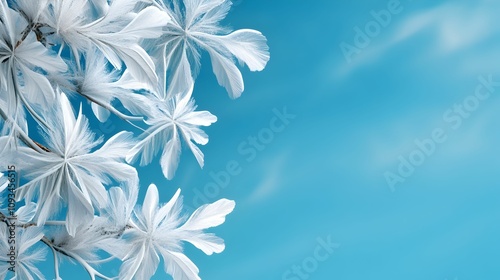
(55, 223)
(104, 260)
(34, 114)
(21, 134)
(119, 114)
(56, 262)
(47, 223)
(112, 110)
(42, 147)
(61, 49)
(91, 271)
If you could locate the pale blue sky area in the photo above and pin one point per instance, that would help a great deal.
(405, 103)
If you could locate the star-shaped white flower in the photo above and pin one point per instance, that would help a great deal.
(169, 123)
(117, 33)
(161, 230)
(195, 25)
(21, 58)
(71, 170)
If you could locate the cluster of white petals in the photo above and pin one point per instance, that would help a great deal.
(136, 60)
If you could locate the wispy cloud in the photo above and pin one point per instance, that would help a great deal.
(453, 27)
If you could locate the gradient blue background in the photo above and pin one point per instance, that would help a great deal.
(324, 174)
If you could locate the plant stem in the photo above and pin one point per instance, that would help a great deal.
(91, 271)
(21, 134)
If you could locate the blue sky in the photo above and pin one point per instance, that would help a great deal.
(323, 176)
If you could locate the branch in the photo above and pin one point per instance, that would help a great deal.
(47, 223)
(21, 134)
(112, 109)
(17, 92)
(56, 262)
(91, 271)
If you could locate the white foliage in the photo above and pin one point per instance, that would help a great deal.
(77, 174)
(173, 121)
(195, 24)
(143, 55)
(21, 54)
(160, 230)
(117, 33)
(26, 252)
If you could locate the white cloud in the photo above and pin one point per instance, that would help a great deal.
(455, 28)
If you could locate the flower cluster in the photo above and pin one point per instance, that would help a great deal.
(137, 60)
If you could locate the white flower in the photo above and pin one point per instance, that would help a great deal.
(161, 230)
(103, 234)
(26, 256)
(71, 170)
(173, 120)
(20, 54)
(117, 33)
(195, 24)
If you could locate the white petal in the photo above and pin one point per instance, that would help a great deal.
(166, 210)
(152, 141)
(131, 265)
(37, 88)
(80, 211)
(29, 237)
(26, 213)
(180, 266)
(228, 75)
(208, 243)
(209, 215)
(170, 157)
(174, 69)
(32, 52)
(198, 154)
(150, 205)
(68, 116)
(117, 146)
(138, 62)
(204, 118)
(149, 264)
(147, 24)
(249, 46)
